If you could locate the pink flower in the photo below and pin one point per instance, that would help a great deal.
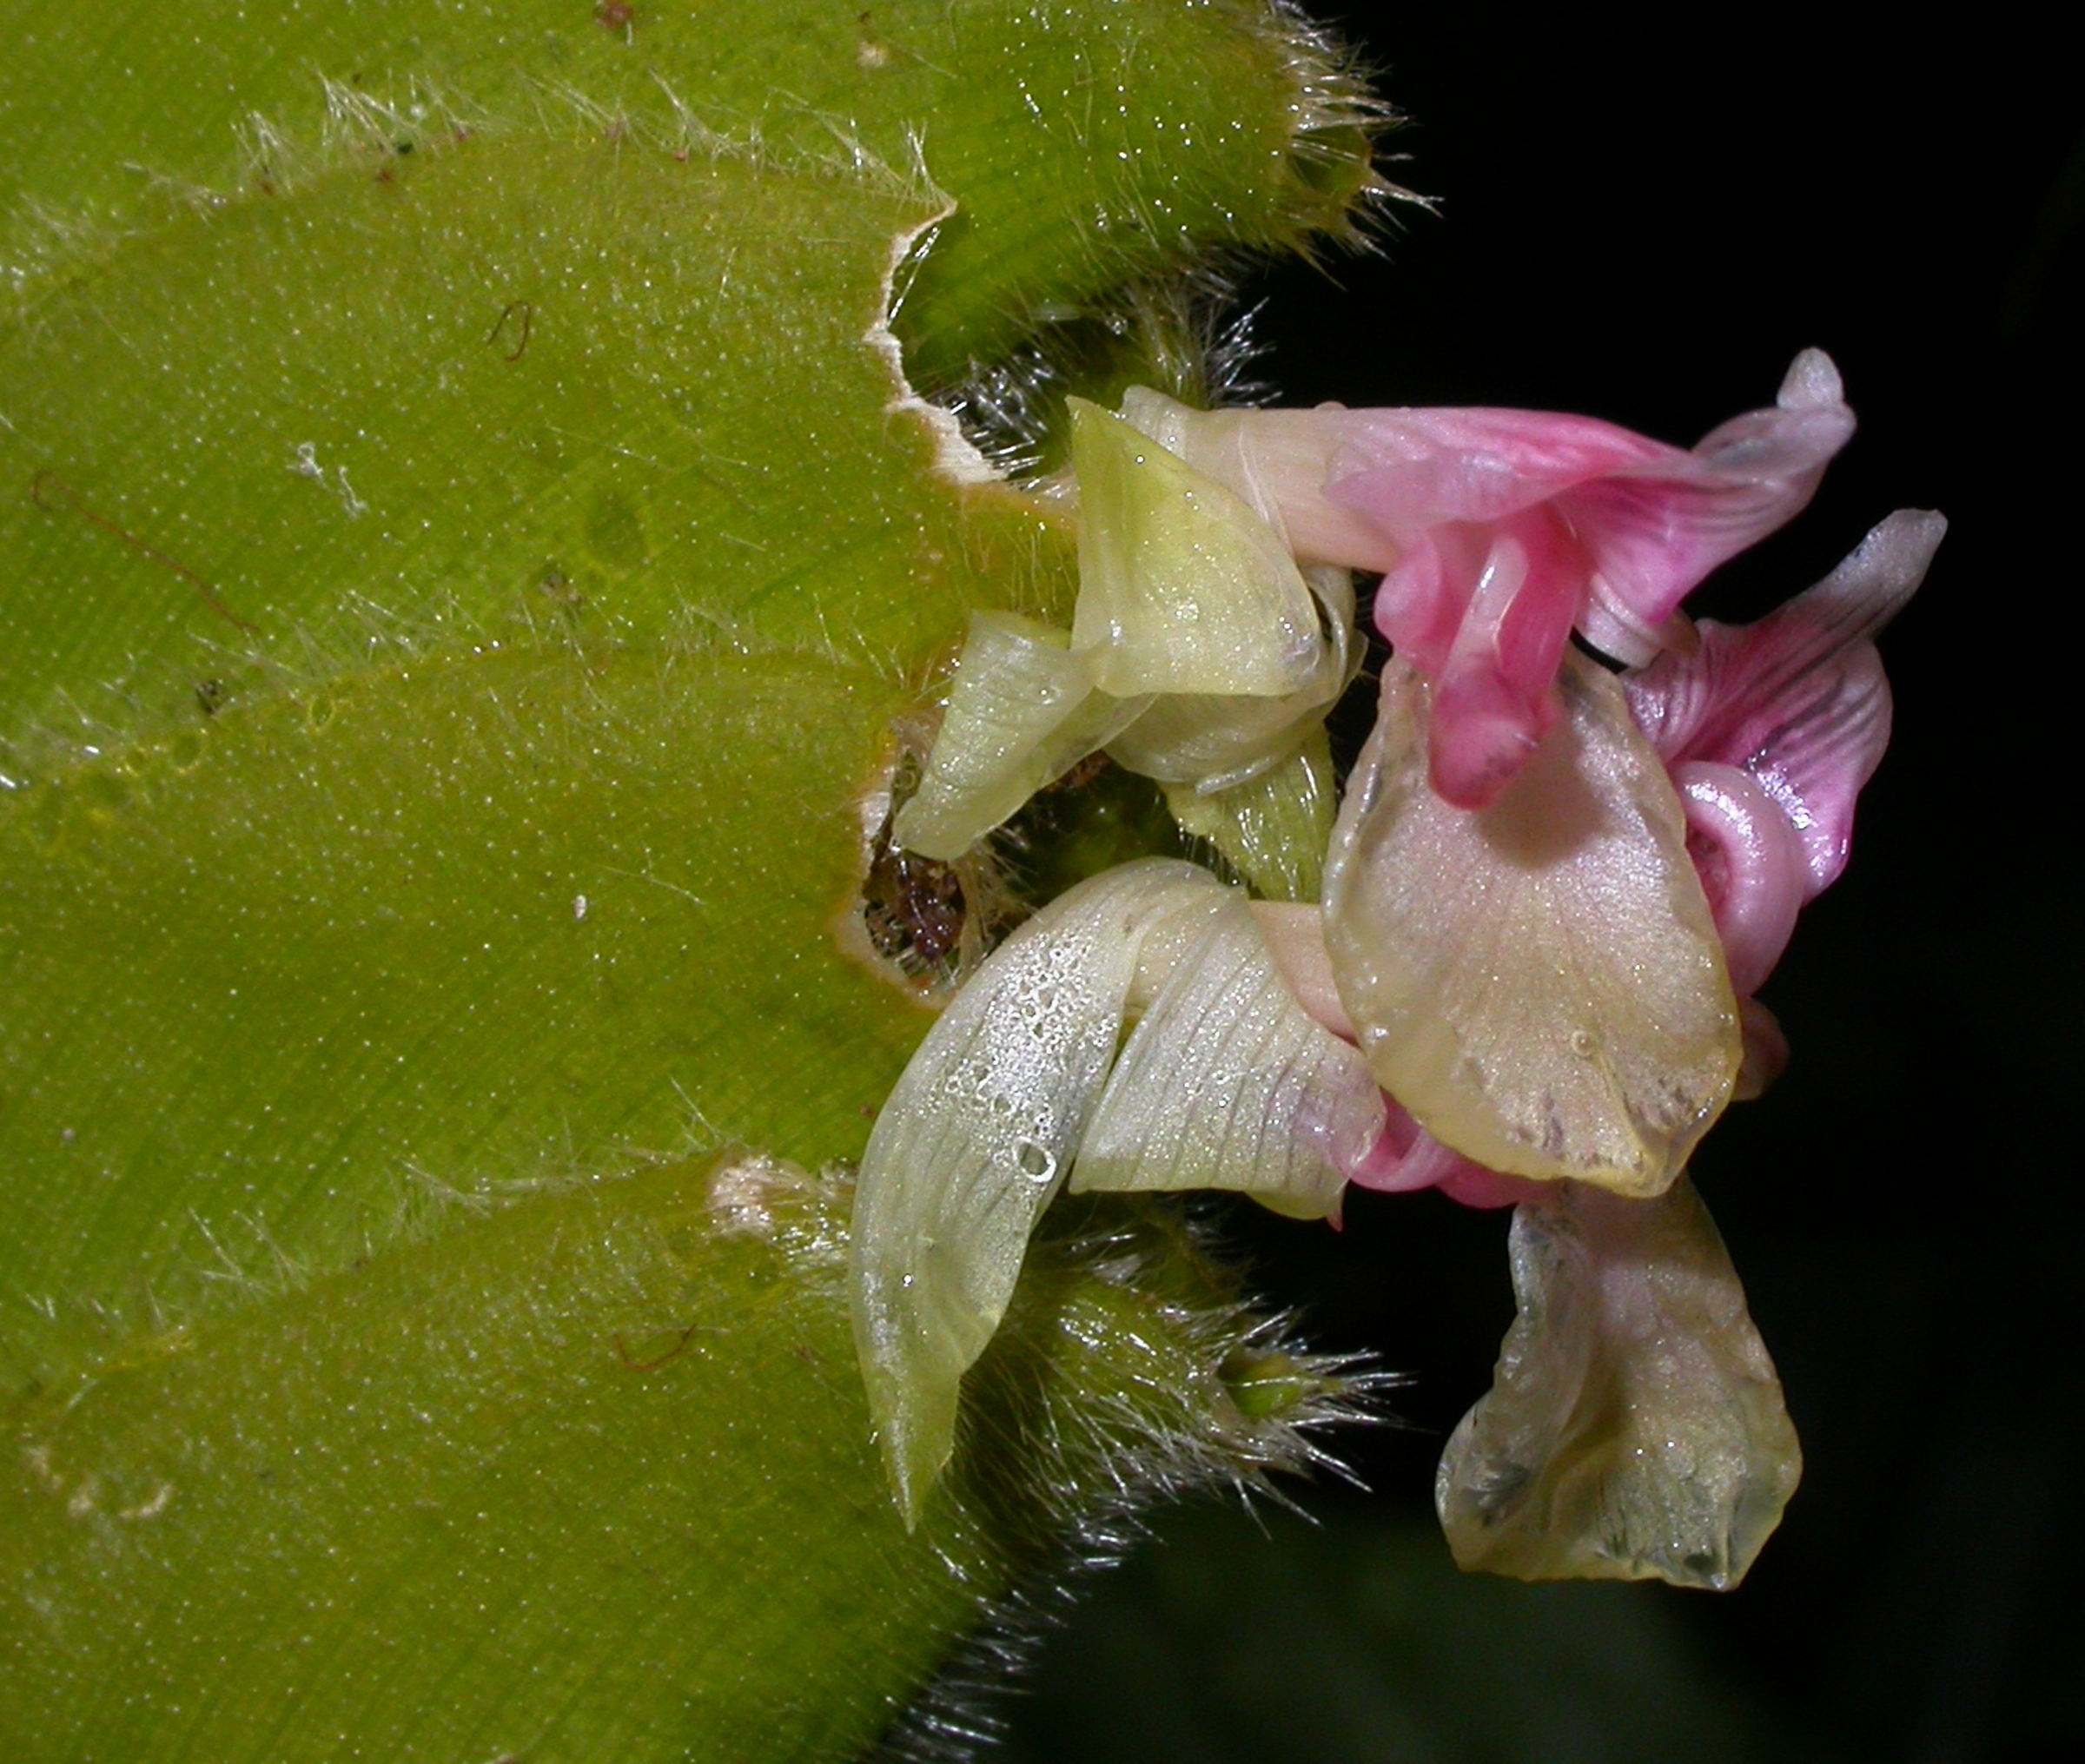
(1767, 730)
(1770, 729)
(1514, 526)
(1499, 530)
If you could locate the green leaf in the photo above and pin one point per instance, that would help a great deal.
(474, 556)
(589, 1477)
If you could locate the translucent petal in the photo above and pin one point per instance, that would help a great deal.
(975, 1140)
(1022, 712)
(1538, 982)
(1228, 1083)
(1182, 588)
(1408, 469)
(1635, 1428)
(1210, 742)
(1274, 828)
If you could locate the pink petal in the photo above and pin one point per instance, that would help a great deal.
(1750, 863)
(1651, 519)
(1654, 531)
(1408, 469)
(1485, 612)
(1494, 702)
(1405, 1157)
(1419, 602)
(1798, 701)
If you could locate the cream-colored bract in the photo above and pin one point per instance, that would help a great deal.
(1200, 655)
(1182, 588)
(1226, 1082)
(1635, 1429)
(1538, 982)
(1022, 711)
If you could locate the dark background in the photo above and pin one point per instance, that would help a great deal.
(1642, 216)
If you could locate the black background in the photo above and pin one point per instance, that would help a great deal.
(1642, 213)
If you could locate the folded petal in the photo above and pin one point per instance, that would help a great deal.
(1405, 1157)
(1798, 700)
(1228, 1083)
(1493, 702)
(1182, 588)
(976, 1137)
(1653, 531)
(1750, 864)
(1210, 742)
(1635, 1428)
(1538, 982)
(1022, 711)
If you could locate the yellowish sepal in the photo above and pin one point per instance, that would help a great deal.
(1022, 711)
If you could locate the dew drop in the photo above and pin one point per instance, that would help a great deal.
(1035, 1162)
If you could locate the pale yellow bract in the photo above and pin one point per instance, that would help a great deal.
(1200, 655)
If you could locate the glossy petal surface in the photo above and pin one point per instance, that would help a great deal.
(1228, 1083)
(975, 1139)
(1636, 1429)
(1539, 982)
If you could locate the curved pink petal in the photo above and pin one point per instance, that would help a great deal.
(1493, 703)
(1750, 863)
(1420, 603)
(1652, 519)
(1655, 531)
(1798, 700)
(1405, 1157)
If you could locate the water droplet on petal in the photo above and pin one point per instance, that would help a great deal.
(1035, 1162)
